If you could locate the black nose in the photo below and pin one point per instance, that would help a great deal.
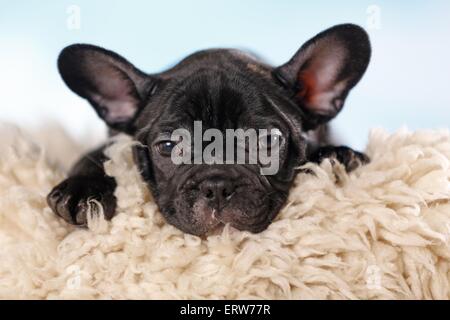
(217, 189)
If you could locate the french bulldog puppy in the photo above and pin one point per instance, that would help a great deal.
(224, 89)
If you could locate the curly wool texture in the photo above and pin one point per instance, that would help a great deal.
(382, 232)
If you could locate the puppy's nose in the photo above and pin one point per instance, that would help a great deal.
(217, 189)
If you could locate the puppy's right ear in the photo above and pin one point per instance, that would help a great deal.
(113, 86)
(324, 70)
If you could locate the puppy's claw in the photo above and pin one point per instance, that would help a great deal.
(70, 199)
(350, 158)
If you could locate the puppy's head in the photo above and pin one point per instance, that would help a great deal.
(221, 90)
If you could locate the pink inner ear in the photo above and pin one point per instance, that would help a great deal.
(120, 111)
(319, 81)
(115, 95)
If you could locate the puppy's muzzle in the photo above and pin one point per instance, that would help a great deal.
(217, 191)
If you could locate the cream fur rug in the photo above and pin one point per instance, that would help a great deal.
(382, 232)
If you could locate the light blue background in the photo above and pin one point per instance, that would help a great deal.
(407, 83)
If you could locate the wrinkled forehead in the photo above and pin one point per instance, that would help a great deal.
(218, 102)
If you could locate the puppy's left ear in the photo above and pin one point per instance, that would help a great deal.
(113, 86)
(322, 72)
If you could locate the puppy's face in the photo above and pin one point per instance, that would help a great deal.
(197, 197)
(222, 90)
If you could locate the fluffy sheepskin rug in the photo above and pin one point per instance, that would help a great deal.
(382, 232)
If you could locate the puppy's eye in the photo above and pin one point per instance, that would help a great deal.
(270, 140)
(165, 147)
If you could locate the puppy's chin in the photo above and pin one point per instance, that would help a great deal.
(204, 221)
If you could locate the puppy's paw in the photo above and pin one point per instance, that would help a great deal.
(70, 199)
(350, 158)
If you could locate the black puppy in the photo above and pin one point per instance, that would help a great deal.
(225, 89)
